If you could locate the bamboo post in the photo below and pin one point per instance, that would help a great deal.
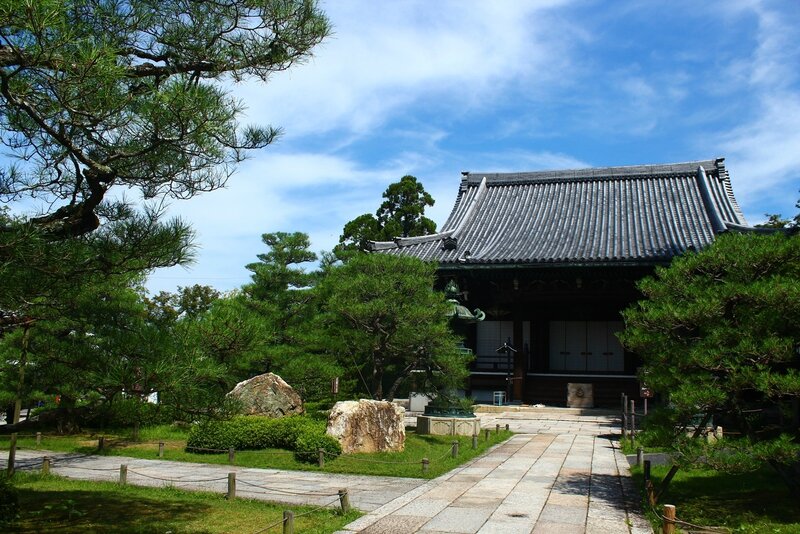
(231, 456)
(321, 453)
(123, 474)
(454, 450)
(160, 449)
(288, 522)
(640, 456)
(486, 434)
(12, 454)
(46, 465)
(38, 439)
(231, 486)
(425, 464)
(344, 500)
(669, 519)
(474, 441)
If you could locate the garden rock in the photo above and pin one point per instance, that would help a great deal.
(268, 395)
(368, 426)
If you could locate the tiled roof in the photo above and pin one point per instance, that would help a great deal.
(644, 213)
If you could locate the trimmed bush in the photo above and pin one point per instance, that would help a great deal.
(295, 433)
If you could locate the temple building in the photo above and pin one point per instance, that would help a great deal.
(553, 257)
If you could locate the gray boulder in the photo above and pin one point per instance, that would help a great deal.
(268, 395)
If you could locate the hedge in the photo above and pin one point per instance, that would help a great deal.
(303, 435)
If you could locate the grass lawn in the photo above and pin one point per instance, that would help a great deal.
(749, 503)
(54, 504)
(406, 464)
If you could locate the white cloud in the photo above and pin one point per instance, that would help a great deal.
(383, 56)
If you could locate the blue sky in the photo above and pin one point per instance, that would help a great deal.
(434, 88)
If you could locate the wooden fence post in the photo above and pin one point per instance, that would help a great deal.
(633, 420)
(497, 428)
(624, 425)
(231, 455)
(669, 519)
(46, 465)
(486, 434)
(640, 455)
(474, 441)
(101, 443)
(288, 522)
(12, 454)
(425, 463)
(231, 486)
(321, 452)
(344, 500)
(38, 439)
(123, 474)
(160, 449)
(454, 450)
(506, 427)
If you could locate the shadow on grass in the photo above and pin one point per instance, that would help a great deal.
(78, 511)
(748, 502)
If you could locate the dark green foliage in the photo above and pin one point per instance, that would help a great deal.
(384, 321)
(402, 214)
(295, 433)
(9, 501)
(719, 334)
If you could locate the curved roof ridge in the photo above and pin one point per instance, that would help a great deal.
(592, 173)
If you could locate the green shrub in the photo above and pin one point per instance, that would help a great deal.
(294, 433)
(9, 501)
(308, 445)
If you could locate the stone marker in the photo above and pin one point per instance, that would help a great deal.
(268, 395)
(368, 426)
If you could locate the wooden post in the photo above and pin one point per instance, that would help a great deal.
(669, 519)
(46, 465)
(425, 463)
(321, 452)
(624, 425)
(633, 420)
(454, 450)
(123, 474)
(645, 405)
(101, 443)
(640, 456)
(486, 434)
(38, 439)
(506, 427)
(231, 456)
(288, 522)
(160, 449)
(344, 500)
(12, 454)
(474, 441)
(231, 486)
(622, 398)
(497, 428)
(647, 470)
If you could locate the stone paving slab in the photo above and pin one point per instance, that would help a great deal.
(563, 475)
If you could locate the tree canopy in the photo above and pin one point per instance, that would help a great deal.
(719, 334)
(402, 214)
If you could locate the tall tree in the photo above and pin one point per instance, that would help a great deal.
(384, 321)
(719, 333)
(98, 95)
(402, 214)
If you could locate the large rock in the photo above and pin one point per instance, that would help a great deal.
(368, 426)
(268, 395)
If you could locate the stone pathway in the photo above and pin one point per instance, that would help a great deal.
(561, 474)
(366, 493)
(543, 483)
